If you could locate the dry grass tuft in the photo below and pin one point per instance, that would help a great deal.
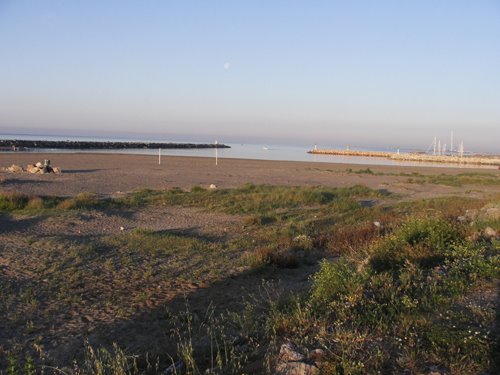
(281, 258)
(35, 203)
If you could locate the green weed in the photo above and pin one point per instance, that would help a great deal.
(421, 241)
(12, 201)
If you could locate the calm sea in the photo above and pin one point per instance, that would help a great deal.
(237, 151)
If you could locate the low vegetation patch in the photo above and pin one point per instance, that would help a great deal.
(15, 202)
(457, 180)
(375, 288)
(254, 199)
(400, 309)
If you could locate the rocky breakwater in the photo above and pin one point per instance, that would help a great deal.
(477, 160)
(415, 157)
(13, 145)
(37, 168)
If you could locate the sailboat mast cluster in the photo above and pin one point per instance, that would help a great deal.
(440, 154)
(438, 150)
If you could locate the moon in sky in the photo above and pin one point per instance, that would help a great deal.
(227, 65)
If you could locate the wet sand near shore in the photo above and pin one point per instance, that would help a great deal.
(111, 174)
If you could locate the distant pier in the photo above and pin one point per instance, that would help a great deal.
(25, 145)
(450, 159)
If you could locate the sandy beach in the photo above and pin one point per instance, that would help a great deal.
(110, 174)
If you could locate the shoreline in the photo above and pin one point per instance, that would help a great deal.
(439, 168)
(355, 160)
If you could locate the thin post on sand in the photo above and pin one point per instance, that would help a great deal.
(216, 153)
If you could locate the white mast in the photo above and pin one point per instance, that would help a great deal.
(439, 147)
(434, 144)
(451, 143)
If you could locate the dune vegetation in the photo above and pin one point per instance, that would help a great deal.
(355, 279)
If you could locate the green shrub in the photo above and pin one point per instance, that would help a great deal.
(335, 281)
(461, 350)
(17, 202)
(13, 201)
(469, 262)
(420, 241)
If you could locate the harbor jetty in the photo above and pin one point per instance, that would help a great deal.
(27, 145)
(417, 157)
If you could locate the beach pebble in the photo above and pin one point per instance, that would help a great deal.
(296, 368)
(288, 353)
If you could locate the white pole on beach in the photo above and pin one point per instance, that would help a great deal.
(216, 153)
(159, 156)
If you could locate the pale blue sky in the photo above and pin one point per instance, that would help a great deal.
(392, 73)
